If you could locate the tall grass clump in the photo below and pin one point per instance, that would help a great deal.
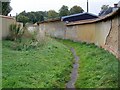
(24, 39)
(16, 32)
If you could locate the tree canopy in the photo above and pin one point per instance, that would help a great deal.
(31, 17)
(64, 11)
(76, 9)
(52, 14)
(38, 16)
(6, 8)
(23, 19)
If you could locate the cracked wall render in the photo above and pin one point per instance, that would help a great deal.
(112, 38)
(101, 31)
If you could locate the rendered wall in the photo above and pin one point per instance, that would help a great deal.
(102, 30)
(83, 33)
(105, 33)
(119, 37)
(112, 38)
(5, 23)
(55, 29)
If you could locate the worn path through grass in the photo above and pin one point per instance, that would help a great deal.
(74, 72)
(98, 68)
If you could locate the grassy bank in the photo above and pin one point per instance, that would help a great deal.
(98, 68)
(43, 67)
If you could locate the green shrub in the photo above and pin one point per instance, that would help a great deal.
(25, 40)
(16, 32)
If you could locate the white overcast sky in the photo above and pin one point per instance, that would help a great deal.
(45, 5)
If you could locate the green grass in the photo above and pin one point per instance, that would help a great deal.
(45, 67)
(98, 68)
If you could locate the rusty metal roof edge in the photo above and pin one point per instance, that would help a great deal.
(102, 18)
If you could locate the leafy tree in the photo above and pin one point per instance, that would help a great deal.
(52, 14)
(23, 19)
(6, 8)
(39, 16)
(63, 11)
(24, 13)
(32, 17)
(76, 9)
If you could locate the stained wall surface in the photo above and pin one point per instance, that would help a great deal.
(104, 33)
(112, 38)
(55, 29)
(83, 33)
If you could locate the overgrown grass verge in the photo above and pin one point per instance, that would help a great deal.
(98, 68)
(48, 66)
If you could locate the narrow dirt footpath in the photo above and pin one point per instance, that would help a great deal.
(74, 72)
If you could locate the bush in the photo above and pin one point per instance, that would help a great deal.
(25, 44)
(16, 32)
(29, 40)
(25, 40)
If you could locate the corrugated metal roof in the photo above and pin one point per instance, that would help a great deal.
(78, 15)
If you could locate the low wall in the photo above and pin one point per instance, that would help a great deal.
(5, 22)
(32, 28)
(103, 31)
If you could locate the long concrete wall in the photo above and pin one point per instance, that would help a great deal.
(91, 32)
(103, 33)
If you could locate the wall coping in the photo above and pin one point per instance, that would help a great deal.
(50, 20)
(7, 17)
